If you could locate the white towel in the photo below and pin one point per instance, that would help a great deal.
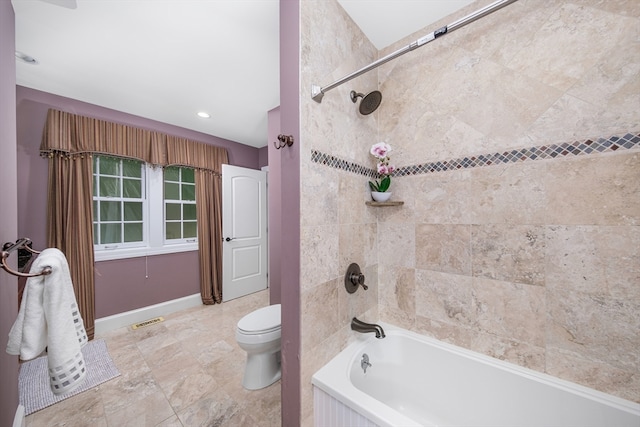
(49, 319)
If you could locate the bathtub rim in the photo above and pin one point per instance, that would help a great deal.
(329, 378)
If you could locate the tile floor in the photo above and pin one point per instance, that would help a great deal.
(183, 372)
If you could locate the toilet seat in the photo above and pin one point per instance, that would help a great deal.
(263, 331)
(261, 321)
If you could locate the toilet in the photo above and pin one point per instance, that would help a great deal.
(258, 333)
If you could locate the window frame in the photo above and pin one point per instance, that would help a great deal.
(153, 225)
(182, 202)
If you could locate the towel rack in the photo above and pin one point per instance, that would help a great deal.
(9, 247)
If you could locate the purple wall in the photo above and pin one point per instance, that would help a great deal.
(290, 210)
(8, 209)
(121, 285)
(275, 204)
(263, 154)
(128, 284)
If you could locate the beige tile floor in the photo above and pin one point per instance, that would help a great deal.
(183, 372)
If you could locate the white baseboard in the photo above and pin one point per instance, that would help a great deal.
(18, 419)
(109, 323)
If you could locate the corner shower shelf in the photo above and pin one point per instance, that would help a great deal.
(384, 203)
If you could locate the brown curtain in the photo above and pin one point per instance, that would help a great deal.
(69, 140)
(209, 196)
(70, 225)
(208, 161)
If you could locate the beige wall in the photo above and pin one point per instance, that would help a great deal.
(536, 261)
(336, 226)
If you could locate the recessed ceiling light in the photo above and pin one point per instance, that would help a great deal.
(26, 58)
(204, 115)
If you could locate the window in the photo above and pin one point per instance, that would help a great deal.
(179, 204)
(118, 202)
(140, 210)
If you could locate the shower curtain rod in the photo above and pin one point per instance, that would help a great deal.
(318, 92)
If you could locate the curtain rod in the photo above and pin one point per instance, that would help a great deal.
(318, 92)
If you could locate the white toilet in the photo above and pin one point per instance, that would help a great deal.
(258, 333)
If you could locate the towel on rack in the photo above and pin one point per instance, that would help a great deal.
(49, 318)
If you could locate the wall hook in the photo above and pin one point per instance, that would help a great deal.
(284, 140)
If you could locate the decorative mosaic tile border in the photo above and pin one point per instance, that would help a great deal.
(567, 149)
(345, 165)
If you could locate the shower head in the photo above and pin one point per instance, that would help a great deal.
(370, 102)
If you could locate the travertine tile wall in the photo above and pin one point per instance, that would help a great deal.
(537, 261)
(336, 226)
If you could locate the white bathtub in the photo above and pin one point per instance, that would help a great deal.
(414, 380)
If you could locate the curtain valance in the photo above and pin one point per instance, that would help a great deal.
(181, 151)
(73, 134)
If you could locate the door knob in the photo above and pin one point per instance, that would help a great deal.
(228, 239)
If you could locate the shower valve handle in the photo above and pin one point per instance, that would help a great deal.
(354, 278)
(358, 279)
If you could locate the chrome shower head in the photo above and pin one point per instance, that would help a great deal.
(370, 102)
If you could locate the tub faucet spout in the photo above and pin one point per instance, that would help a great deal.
(360, 326)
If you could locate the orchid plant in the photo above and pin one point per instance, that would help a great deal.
(381, 152)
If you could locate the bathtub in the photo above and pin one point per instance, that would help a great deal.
(415, 380)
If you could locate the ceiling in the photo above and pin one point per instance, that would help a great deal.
(384, 22)
(167, 60)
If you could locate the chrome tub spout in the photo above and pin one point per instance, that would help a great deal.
(360, 326)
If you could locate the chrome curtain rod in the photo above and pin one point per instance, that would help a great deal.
(318, 92)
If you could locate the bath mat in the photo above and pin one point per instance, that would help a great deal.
(33, 381)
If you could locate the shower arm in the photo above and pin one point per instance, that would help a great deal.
(318, 92)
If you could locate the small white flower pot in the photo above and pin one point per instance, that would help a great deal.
(380, 197)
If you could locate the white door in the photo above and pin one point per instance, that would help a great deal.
(244, 231)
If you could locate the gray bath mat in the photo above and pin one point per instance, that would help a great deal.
(33, 381)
